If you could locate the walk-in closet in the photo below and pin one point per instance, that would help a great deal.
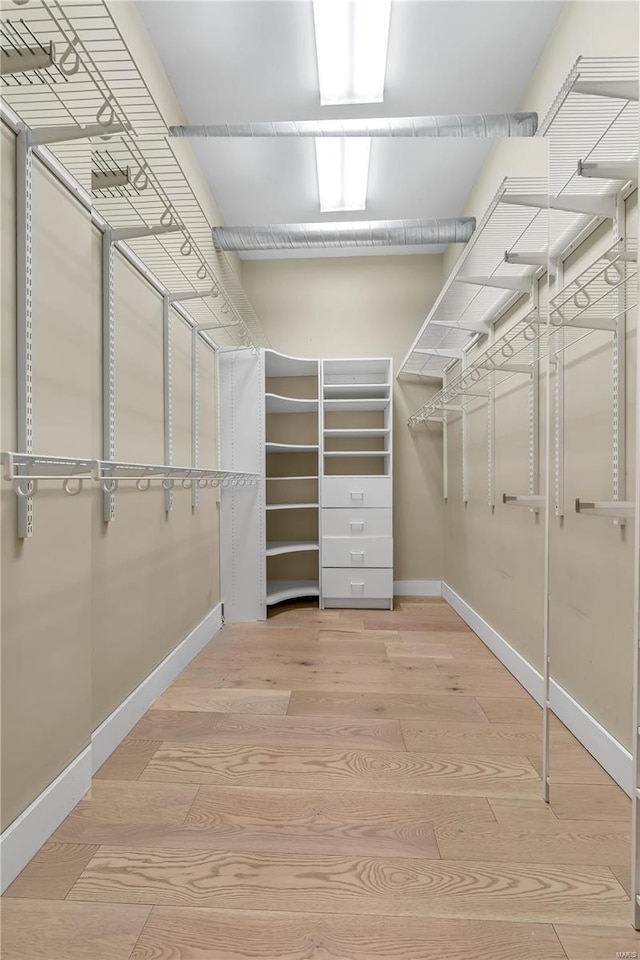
(319, 480)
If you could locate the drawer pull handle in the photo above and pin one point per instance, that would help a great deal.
(357, 526)
(357, 586)
(357, 556)
(356, 494)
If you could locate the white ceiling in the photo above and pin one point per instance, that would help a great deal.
(242, 60)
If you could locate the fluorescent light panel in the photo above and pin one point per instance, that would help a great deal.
(343, 172)
(352, 37)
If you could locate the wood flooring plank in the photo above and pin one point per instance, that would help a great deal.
(622, 873)
(321, 703)
(313, 769)
(582, 942)
(602, 801)
(349, 885)
(295, 821)
(62, 930)
(197, 934)
(481, 679)
(572, 764)
(486, 738)
(347, 634)
(551, 841)
(133, 802)
(128, 760)
(193, 727)
(327, 650)
(515, 813)
(421, 648)
(52, 872)
(405, 622)
(270, 702)
(511, 709)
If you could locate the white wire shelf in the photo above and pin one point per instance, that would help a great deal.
(515, 353)
(592, 128)
(94, 80)
(25, 471)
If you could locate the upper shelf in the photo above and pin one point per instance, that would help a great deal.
(592, 129)
(341, 406)
(280, 365)
(355, 391)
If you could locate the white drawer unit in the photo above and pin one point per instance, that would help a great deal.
(356, 492)
(369, 584)
(356, 523)
(357, 552)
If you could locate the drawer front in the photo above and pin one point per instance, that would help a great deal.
(343, 584)
(356, 492)
(357, 552)
(356, 523)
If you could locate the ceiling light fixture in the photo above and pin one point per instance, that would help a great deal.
(343, 173)
(352, 37)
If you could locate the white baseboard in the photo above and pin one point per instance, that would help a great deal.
(114, 729)
(23, 838)
(417, 588)
(609, 753)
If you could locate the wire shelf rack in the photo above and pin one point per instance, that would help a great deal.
(514, 353)
(593, 120)
(93, 80)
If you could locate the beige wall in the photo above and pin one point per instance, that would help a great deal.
(88, 609)
(364, 306)
(496, 562)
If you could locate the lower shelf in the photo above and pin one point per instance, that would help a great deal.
(279, 590)
(276, 547)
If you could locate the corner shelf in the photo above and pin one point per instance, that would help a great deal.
(291, 447)
(276, 548)
(292, 506)
(279, 590)
(274, 403)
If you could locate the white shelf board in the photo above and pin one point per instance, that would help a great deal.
(277, 547)
(358, 432)
(357, 453)
(279, 590)
(281, 365)
(310, 477)
(355, 391)
(356, 368)
(274, 403)
(291, 447)
(292, 506)
(356, 405)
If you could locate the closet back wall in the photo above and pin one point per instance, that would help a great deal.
(367, 307)
(87, 609)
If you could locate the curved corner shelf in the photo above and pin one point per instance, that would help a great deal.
(291, 447)
(275, 403)
(292, 506)
(277, 547)
(279, 590)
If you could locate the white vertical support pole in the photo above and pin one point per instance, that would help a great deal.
(167, 394)
(558, 408)
(108, 366)
(491, 435)
(465, 426)
(534, 407)
(552, 367)
(195, 410)
(445, 446)
(24, 318)
(619, 361)
(635, 796)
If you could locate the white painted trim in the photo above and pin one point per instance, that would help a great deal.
(417, 588)
(609, 753)
(114, 729)
(23, 838)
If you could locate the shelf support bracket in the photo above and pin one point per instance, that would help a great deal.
(625, 170)
(529, 258)
(44, 136)
(515, 284)
(472, 326)
(615, 89)
(124, 234)
(22, 59)
(590, 205)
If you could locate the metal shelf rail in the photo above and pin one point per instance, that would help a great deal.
(25, 471)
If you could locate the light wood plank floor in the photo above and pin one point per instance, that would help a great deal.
(339, 785)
